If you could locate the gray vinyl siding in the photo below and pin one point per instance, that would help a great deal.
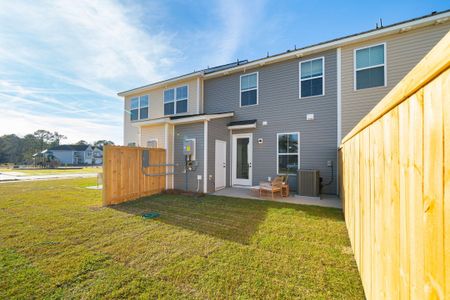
(280, 106)
(182, 132)
(217, 130)
(403, 51)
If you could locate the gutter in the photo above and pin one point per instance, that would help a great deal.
(399, 28)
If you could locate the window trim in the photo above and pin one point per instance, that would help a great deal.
(300, 77)
(175, 100)
(278, 153)
(375, 66)
(257, 89)
(152, 140)
(139, 108)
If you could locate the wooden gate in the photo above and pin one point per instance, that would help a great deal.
(124, 178)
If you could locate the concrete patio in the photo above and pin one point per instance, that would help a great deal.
(324, 200)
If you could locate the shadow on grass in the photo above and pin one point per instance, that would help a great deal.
(233, 219)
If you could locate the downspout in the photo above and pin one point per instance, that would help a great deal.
(339, 113)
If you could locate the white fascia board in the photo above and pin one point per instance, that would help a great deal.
(151, 122)
(186, 120)
(201, 118)
(160, 84)
(247, 126)
(440, 18)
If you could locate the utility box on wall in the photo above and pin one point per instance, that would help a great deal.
(189, 148)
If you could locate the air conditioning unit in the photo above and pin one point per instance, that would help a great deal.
(308, 182)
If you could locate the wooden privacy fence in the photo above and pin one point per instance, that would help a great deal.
(395, 186)
(123, 175)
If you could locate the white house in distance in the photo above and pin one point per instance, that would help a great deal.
(77, 154)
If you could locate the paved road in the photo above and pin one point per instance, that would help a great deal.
(4, 177)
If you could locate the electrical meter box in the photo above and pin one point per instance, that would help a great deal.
(189, 148)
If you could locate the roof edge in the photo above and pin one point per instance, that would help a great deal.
(422, 21)
(161, 83)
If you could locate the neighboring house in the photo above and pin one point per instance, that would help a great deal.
(73, 154)
(97, 153)
(254, 120)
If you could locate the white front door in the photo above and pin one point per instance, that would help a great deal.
(242, 159)
(221, 164)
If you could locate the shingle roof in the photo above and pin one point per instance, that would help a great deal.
(70, 147)
(195, 115)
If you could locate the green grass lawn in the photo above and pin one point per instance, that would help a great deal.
(54, 171)
(56, 241)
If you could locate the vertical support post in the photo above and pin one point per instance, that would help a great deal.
(166, 146)
(205, 157)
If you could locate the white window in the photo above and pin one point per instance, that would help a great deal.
(311, 77)
(139, 108)
(176, 100)
(152, 143)
(288, 152)
(132, 144)
(370, 67)
(249, 89)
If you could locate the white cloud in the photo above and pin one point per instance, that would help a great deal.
(64, 48)
(70, 58)
(238, 22)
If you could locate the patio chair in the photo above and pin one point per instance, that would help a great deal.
(273, 186)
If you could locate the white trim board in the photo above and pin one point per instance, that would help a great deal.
(198, 95)
(166, 146)
(339, 96)
(247, 126)
(339, 42)
(186, 120)
(205, 156)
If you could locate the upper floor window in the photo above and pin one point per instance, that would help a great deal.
(139, 108)
(311, 77)
(249, 89)
(288, 153)
(370, 67)
(176, 100)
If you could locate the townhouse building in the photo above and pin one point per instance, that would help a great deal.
(253, 120)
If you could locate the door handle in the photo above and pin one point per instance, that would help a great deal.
(250, 165)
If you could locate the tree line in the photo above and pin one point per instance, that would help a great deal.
(20, 150)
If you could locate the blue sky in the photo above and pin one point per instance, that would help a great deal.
(63, 62)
